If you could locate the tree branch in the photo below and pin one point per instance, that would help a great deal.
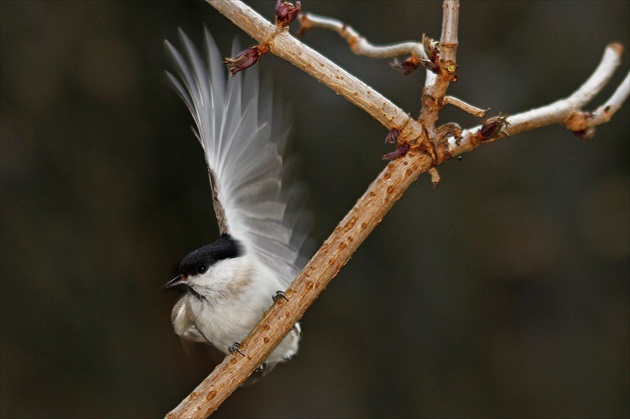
(613, 104)
(435, 88)
(561, 111)
(388, 187)
(450, 22)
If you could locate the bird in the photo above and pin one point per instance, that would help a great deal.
(259, 205)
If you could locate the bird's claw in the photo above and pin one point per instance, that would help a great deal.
(279, 294)
(234, 348)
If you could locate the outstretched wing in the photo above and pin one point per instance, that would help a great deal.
(243, 136)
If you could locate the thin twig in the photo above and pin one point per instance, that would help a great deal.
(361, 46)
(466, 107)
(600, 77)
(450, 22)
(557, 112)
(604, 112)
(358, 44)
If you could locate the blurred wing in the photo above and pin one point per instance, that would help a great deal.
(243, 136)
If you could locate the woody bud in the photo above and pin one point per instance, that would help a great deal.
(286, 12)
(245, 59)
(492, 128)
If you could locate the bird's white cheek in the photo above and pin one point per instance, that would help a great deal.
(226, 278)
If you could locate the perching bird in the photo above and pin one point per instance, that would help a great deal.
(231, 282)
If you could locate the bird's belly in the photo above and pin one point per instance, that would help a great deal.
(224, 324)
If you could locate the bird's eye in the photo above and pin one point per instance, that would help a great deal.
(201, 269)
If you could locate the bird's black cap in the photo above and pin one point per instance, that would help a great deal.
(198, 261)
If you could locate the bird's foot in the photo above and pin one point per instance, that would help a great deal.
(279, 294)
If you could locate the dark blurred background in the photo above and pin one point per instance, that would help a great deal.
(502, 293)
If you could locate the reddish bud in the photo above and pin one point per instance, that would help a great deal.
(407, 66)
(492, 127)
(401, 151)
(286, 12)
(392, 136)
(245, 59)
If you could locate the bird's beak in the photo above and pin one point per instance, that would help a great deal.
(178, 280)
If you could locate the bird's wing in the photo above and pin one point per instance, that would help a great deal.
(243, 135)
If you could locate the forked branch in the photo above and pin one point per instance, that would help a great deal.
(566, 111)
(428, 146)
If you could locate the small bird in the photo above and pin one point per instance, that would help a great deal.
(263, 225)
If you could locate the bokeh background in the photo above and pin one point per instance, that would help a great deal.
(502, 293)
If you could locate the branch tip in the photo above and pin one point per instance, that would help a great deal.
(617, 47)
(473, 110)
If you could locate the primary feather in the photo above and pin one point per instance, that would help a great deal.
(243, 135)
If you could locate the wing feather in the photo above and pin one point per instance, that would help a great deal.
(243, 135)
